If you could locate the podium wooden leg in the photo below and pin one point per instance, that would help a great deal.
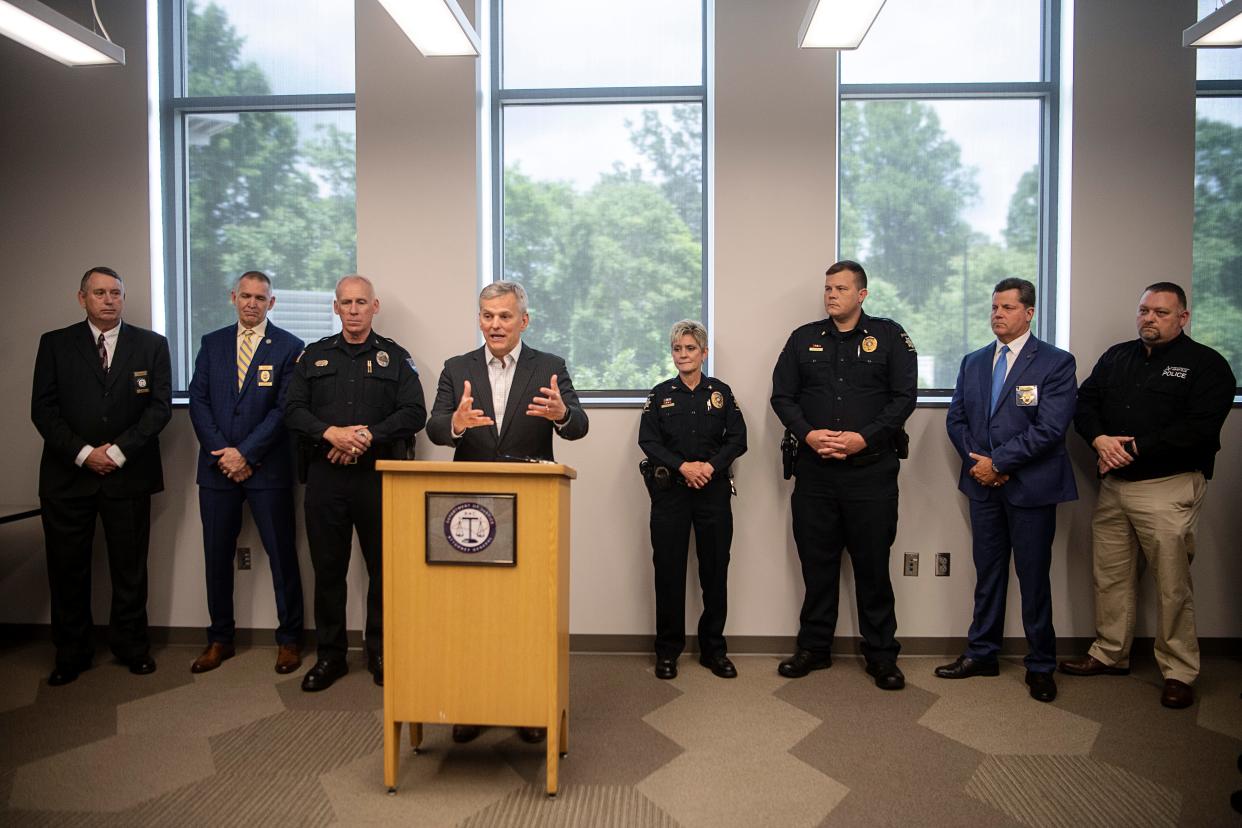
(416, 735)
(564, 740)
(392, 750)
(553, 760)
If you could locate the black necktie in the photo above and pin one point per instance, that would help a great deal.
(103, 354)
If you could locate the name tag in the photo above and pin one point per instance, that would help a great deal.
(265, 376)
(1027, 395)
(141, 384)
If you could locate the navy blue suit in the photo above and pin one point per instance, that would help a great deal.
(1025, 437)
(250, 420)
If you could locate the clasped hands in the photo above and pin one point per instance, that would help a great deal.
(348, 442)
(99, 462)
(232, 464)
(984, 473)
(549, 406)
(1113, 452)
(835, 445)
(697, 475)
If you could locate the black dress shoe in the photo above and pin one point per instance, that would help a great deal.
(465, 733)
(142, 666)
(1043, 686)
(323, 674)
(63, 675)
(666, 668)
(887, 674)
(967, 667)
(720, 666)
(532, 735)
(375, 665)
(803, 662)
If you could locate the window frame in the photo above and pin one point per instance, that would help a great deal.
(1232, 89)
(501, 98)
(175, 107)
(1046, 91)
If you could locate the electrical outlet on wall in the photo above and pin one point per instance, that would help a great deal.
(942, 564)
(243, 557)
(912, 564)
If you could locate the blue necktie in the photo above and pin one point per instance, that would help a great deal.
(998, 376)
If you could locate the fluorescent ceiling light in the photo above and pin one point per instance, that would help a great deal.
(1221, 28)
(436, 27)
(837, 24)
(33, 24)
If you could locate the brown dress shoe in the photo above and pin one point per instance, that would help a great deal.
(288, 658)
(212, 657)
(1177, 694)
(1091, 666)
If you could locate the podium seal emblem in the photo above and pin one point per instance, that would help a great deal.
(470, 527)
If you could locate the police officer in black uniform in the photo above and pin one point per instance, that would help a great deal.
(844, 387)
(354, 398)
(691, 431)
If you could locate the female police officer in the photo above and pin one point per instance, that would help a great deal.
(691, 431)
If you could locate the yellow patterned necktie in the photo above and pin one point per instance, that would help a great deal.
(245, 352)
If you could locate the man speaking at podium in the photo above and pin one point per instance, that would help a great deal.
(480, 399)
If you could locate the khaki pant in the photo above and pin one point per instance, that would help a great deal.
(1157, 518)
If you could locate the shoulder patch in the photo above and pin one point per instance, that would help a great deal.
(647, 404)
(409, 360)
(905, 337)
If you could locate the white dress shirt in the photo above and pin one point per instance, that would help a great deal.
(1015, 348)
(500, 375)
(110, 338)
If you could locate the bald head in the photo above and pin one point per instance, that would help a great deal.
(355, 280)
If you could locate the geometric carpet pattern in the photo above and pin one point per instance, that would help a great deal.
(243, 746)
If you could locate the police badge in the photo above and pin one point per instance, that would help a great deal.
(870, 343)
(1028, 395)
(716, 400)
(381, 359)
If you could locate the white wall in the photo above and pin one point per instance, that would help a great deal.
(74, 194)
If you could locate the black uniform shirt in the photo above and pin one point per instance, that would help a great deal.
(679, 425)
(373, 383)
(1173, 402)
(863, 380)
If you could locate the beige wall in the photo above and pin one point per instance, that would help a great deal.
(74, 193)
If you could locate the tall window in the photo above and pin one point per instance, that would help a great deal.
(258, 142)
(946, 169)
(1216, 300)
(597, 111)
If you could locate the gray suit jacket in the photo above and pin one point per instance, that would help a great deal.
(522, 435)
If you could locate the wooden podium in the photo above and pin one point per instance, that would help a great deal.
(476, 644)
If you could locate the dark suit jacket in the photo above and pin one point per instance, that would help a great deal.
(1027, 442)
(74, 404)
(250, 420)
(522, 435)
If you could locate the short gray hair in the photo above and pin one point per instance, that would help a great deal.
(688, 327)
(505, 287)
(257, 275)
(354, 277)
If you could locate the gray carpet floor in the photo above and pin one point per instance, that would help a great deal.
(244, 746)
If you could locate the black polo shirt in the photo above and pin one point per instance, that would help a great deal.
(1172, 401)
